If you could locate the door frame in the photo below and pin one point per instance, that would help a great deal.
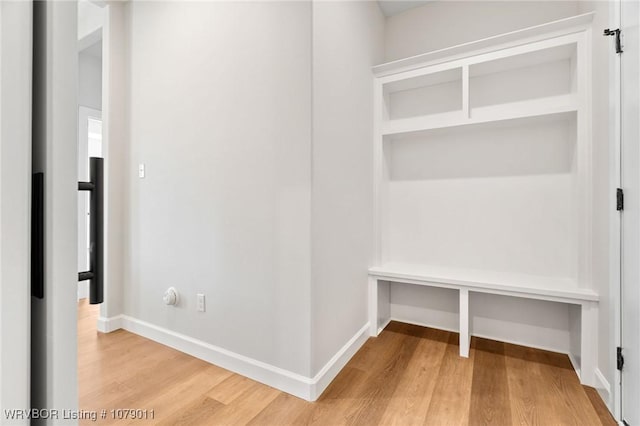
(16, 20)
(616, 231)
(54, 382)
(615, 222)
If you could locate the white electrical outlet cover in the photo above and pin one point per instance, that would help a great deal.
(170, 297)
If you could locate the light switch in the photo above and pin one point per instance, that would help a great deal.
(141, 170)
(201, 305)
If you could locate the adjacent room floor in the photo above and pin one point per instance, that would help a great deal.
(408, 375)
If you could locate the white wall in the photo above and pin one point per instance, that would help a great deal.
(220, 113)
(90, 80)
(442, 24)
(347, 41)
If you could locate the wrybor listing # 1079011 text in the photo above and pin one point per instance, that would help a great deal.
(92, 415)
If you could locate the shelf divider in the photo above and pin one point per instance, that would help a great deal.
(465, 335)
(465, 92)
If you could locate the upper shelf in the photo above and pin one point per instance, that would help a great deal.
(523, 285)
(477, 47)
(554, 105)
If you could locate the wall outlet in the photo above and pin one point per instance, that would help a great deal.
(141, 170)
(201, 304)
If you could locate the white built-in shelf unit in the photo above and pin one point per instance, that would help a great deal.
(482, 174)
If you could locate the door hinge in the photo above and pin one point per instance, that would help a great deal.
(619, 358)
(615, 33)
(619, 199)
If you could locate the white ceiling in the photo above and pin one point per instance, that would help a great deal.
(394, 7)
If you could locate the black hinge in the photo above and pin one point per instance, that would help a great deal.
(619, 358)
(615, 33)
(619, 199)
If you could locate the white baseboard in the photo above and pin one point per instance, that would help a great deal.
(603, 388)
(574, 363)
(383, 326)
(107, 325)
(422, 324)
(295, 384)
(331, 369)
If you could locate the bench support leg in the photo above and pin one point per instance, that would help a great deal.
(465, 336)
(588, 343)
(373, 307)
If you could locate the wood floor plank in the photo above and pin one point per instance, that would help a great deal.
(343, 399)
(606, 419)
(246, 407)
(230, 389)
(335, 406)
(186, 391)
(199, 412)
(451, 397)
(490, 387)
(571, 403)
(525, 394)
(284, 410)
(385, 380)
(409, 403)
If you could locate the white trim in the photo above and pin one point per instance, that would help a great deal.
(386, 323)
(423, 324)
(526, 35)
(550, 107)
(464, 338)
(487, 55)
(574, 363)
(293, 383)
(528, 286)
(603, 388)
(107, 325)
(331, 369)
(262, 372)
(614, 216)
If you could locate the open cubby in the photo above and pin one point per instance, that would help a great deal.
(538, 75)
(437, 93)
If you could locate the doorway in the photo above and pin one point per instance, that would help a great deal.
(89, 145)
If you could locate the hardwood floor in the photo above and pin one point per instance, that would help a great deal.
(408, 375)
